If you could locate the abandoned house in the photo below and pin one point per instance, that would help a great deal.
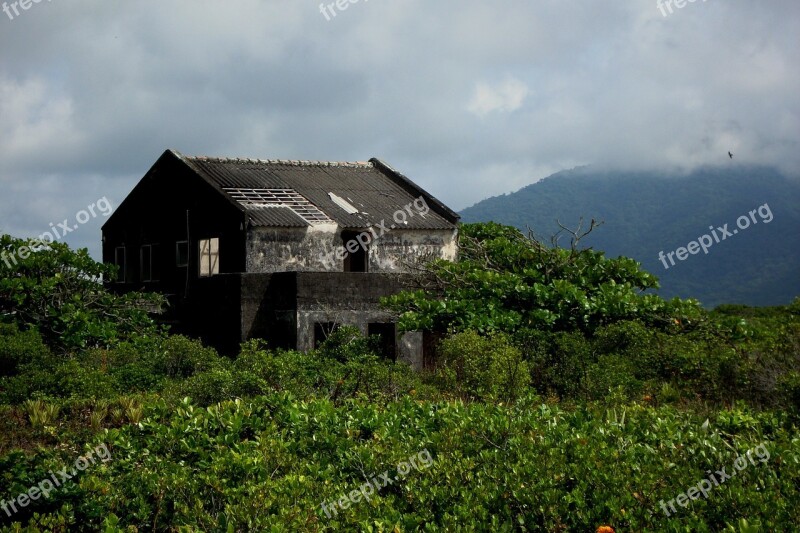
(279, 250)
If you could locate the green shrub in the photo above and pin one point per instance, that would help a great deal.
(610, 372)
(347, 369)
(180, 357)
(347, 344)
(210, 387)
(303, 374)
(18, 348)
(57, 379)
(267, 464)
(485, 368)
(789, 389)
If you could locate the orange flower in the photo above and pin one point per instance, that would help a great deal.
(605, 529)
(647, 398)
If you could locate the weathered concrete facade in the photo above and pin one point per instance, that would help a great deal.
(323, 248)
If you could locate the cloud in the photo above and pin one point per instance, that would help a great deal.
(505, 96)
(470, 99)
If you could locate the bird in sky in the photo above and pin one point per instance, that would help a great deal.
(730, 154)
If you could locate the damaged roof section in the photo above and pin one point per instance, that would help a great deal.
(302, 193)
(262, 204)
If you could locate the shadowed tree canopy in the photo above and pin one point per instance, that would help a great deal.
(61, 293)
(507, 281)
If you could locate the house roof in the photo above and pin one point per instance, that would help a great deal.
(285, 193)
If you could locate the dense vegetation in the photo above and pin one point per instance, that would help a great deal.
(647, 212)
(564, 398)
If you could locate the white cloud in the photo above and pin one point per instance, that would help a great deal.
(34, 118)
(93, 92)
(505, 96)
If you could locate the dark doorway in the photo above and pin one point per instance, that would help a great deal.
(357, 261)
(387, 344)
(430, 349)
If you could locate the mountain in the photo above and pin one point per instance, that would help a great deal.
(755, 262)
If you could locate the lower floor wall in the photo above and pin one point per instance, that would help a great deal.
(297, 310)
(313, 326)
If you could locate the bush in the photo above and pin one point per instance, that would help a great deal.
(146, 364)
(209, 387)
(343, 368)
(58, 379)
(483, 368)
(18, 348)
(303, 374)
(269, 463)
(611, 372)
(347, 344)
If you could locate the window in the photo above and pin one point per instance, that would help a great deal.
(322, 331)
(357, 258)
(387, 340)
(148, 262)
(119, 260)
(209, 257)
(182, 253)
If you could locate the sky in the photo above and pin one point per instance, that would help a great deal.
(470, 99)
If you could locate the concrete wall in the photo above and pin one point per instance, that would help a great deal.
(397, 249)
(283, 308)
(293, 249)
(320, 249)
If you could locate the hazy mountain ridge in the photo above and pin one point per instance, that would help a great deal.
(649, 212)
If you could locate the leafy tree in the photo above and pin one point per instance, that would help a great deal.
(61, 292)
(506, 281)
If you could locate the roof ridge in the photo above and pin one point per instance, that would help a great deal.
(288, 162)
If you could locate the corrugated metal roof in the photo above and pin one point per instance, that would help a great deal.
(275, 215)
(378, 195)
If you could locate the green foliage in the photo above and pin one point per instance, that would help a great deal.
(41, 413)
(710, 362)
(146, 364)
(344, 367)
(483, 368)
(346, 343)
(60, 292)
(268, 464)
(18, 348)
(56, 378)
(504, 281)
